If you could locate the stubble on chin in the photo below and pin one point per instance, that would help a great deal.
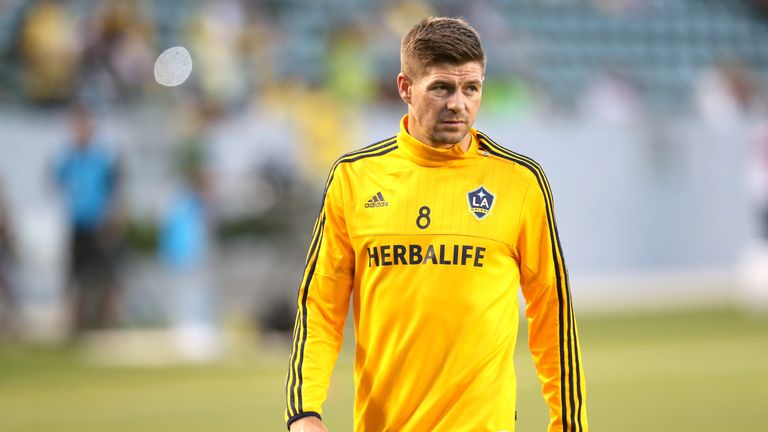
(445, 138)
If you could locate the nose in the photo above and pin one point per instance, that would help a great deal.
(456, 102)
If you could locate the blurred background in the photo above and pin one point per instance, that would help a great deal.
(152, 238)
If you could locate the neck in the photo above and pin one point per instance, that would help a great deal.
(424, 138)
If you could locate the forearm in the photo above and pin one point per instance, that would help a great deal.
(554, 345)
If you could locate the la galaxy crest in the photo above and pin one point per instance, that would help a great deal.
(480, 202)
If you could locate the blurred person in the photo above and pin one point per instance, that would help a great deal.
(260, 39)
(118, 47)
(9, 314)
(400, 15)
(50, 52)
(431, 232)
(727, 94)
(87, 175)
(754, 265)
(350, 64)
(216, 35)
(757, 172)
(321, 120)
(185, 251)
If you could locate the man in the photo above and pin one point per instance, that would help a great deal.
(430, 233)
(87, 176)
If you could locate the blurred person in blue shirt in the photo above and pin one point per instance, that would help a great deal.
(184, 239)
(87, 175)
(185, 250)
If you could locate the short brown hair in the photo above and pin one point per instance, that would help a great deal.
(437, 40)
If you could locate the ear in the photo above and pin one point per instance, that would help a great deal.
(404, 87)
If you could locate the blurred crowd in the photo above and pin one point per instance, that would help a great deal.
(102, 52)
(543, 55)
(311, 70)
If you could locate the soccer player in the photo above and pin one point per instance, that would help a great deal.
(430, 233)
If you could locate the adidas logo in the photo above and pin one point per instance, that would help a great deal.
(376, 201)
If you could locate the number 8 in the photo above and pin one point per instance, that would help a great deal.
(423, 220)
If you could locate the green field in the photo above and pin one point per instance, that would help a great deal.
(704, 370)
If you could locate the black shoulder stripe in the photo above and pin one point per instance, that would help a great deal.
(370, 146)
(567, 334)
(358, 154)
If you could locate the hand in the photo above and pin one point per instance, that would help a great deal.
(308, 424)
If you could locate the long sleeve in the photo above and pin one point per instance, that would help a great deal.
(552, 334)
(323, 302)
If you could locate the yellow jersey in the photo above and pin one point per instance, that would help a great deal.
(431, 246)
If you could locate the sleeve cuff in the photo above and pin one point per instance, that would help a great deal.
(302, 415)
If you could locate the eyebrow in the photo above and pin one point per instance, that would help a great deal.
(441, 82)
(452, 83)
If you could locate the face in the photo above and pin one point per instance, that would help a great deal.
(443, 102)
(82, 128)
